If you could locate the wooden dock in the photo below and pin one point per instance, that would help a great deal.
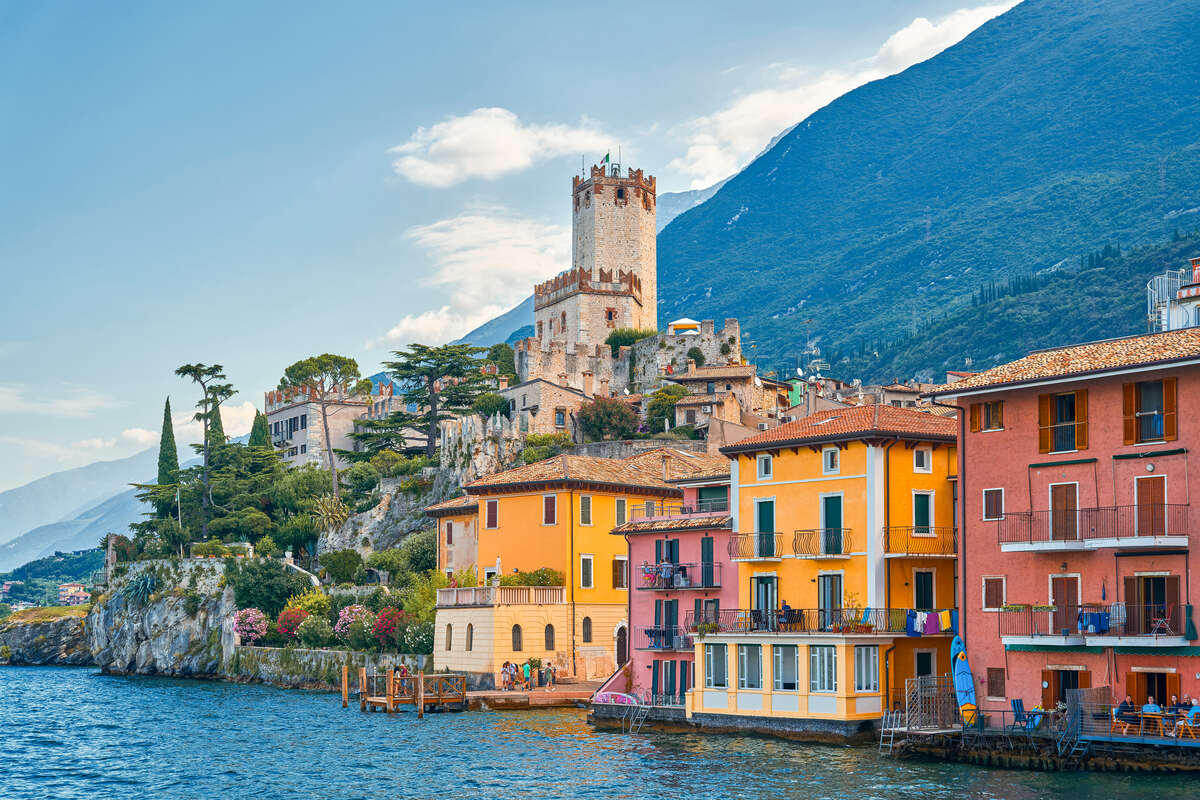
(391, 692)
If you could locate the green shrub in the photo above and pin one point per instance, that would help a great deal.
(489, 404)
(139, 588)
(212, 547)
(392, 561)
(266, 547)
(695, 354)
(265, 585)
(607, 418)
(360, 635)
(540, 446)
(314, 632)
(314, 601)
(361, 479)
(341, 565)
(621, 337)
(191, 603)
(725, 348)
(661, 407)
(543, 576)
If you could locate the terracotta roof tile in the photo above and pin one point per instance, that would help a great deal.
(700, 399)
(707, 522)
(642, 471)
(851, 423)
(463, 503)
(1110, 354)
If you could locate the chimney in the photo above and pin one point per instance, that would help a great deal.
(691, 365)
(1196, 270)
(503, 381)
(604, 387)
(666, 462)
(587, 382)
(562, 379)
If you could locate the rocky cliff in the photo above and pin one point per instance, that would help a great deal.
(43, 642)
(398, 514)
(183, 628)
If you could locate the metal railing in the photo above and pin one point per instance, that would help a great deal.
(800, 620)
(1094, 619)
(501, 596)
(1076, 525)
(816, 542)
(1063, 435)
(920, 540)
(664, 637)
(666, 510)
(760, 545)
(679, 577)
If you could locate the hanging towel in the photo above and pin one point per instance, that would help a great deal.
(931, 625)
(922, 616)
(910, 624)
(954, 620)
(944, 619)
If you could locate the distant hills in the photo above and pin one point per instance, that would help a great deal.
(1050, 131)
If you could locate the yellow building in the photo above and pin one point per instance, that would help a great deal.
(457, 533)
(845, 551)
(557, 514)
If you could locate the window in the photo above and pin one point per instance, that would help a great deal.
(491, 513)
(549, 637)
(303, 421)
(560, 418)
(449, 636)
(620, 572)
(787, 667)
(922, 460)
(993, 504)
(923, 583)
(993, 416)
(449, 533)
(830, 460)
(539, 329)
(749, 666)
(1062, 422)
(585, 509)
(993, 594)
(764, 466)
(714, 666)
(995, 682)
(585, 571)
(1150, 411)
(622, 515)
(470, 636)
(549, 509)
(689, 416)
(516, 638)
(822, 668)
(866, 668)
(711, 388)
(303, 448)
(587, 630)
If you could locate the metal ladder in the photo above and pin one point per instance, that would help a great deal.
(887, 732)
(638, 718)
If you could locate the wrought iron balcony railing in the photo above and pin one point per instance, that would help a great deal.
(1082, 524)
(801, 620)
(749, 546)
(664, 637)
(1093, 619)
(920, 540)
(669, 509)
(823, 542)
(679, 577)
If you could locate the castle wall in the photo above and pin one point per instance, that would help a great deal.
(653, 356)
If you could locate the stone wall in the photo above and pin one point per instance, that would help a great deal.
(473, 447)
(625, 448)
(53, 642)
(398, 514)
(296, 668)
(652, 356)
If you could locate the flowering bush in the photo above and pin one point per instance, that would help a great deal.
(250, 624)
(289, 620)
(348, 615)
(418, 638)
(314, 601)
(389, 628)
(360, 635)
(314, 632)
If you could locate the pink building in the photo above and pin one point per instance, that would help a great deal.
(1075, 472)
(680, 574)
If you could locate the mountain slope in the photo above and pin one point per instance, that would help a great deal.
(111, 516)
(1050, 130)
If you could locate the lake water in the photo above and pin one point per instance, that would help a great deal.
(75, 733)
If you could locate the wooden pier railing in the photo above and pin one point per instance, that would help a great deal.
(391, 691)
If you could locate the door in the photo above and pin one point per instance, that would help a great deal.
(765, 521)
(1064, 507)
(1151, 506)
(669, 678)
(923, 590)
(829, 599)
(925, 662)
(922, 514)
(671, 623)
(622, 647)
(1064, 596)
(831, 522)
(683, 678)
(766, 600)
(708, 579)
(1049, 687)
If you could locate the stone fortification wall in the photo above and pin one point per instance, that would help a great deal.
(651, 357)
(297, 668)
(560, 363)
(625, 448)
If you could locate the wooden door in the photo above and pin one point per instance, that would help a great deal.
(1064, 596)
(1135, 687)
(1064, 507)
(1151, 506)
(1049, 688)
(1085, 679)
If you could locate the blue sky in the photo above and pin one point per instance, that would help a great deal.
(252, 185)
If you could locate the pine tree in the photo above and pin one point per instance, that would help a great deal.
(260, 434)
(168, 459)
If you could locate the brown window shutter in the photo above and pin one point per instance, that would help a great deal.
(1129, 411)
(1132, 596)
(976, 413)
(1085, 679)
(1172, 689)
(1045, 432)
(999, 413)
(1081, 420)
(1170, 417)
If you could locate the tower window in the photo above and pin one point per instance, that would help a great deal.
(621, 194)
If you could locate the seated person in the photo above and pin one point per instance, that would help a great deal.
(1176, 707)
(1125, 713)
(1151, 707)
(1193, 714)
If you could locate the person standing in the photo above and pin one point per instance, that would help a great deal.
(525, 670)
(551, 677)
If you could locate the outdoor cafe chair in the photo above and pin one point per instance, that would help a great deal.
(1023, 721)
(1160, 623)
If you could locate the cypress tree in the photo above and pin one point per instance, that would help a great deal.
(216, 431)
(168, 458)
(260, 436)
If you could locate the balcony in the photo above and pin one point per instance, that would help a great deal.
(760, 546)
(671, 510)
(664, 638)
(821, 543)
(834, 621)
(680, 577)
(475, 596)
(1094, 624)
(1142, 526)
(920, 541)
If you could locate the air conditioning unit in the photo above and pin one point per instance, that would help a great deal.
(762, 426)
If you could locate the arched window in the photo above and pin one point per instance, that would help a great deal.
(470, 635)
(449, 636)
(549, 637)
(516, 638)
(587, 629)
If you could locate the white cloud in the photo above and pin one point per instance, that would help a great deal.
(235, 419)
(95, 444)
(142, 436)
(721, 143)
(66, 401)
(488, 143)
(489, 258)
